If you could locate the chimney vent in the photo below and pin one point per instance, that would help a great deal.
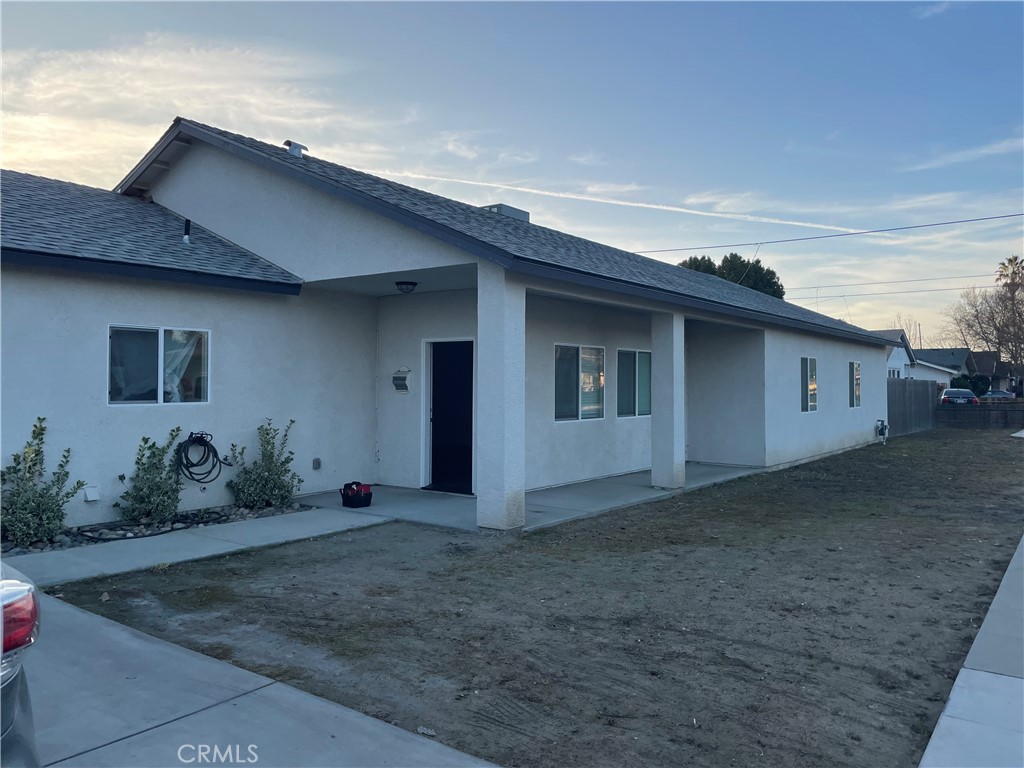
(508, 210)
(294, 148)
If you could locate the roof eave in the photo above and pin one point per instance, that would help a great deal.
(589, 280)
(29, 258)
(466, 242)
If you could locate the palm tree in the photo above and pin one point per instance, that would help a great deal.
(1011, 273)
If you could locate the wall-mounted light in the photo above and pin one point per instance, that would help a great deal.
(405, 286)
(400, 380)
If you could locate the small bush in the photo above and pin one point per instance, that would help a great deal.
(33, 508)
(268, 481)
(155, 487)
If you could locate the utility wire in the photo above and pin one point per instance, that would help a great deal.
(812, 299)
(840, 234)
(888, 282)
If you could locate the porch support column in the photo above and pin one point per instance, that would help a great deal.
(500, 407)
(668, 400)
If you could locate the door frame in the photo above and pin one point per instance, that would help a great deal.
(427, 396)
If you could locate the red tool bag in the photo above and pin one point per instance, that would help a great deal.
(356, 494)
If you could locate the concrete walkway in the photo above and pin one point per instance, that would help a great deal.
(982, 725)
(125, 555)
(105, 695)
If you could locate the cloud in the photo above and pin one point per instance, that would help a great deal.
(932, 10)
(88, 115)
(458, 143)
(608, 188)
(587, 159)
(610, 201)
(1003, 147)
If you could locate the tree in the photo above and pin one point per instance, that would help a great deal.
(736, 269)
(992, 319)
(701, 264)
(1010, 274)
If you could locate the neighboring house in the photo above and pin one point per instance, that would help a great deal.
(416, 340)
(1000, 373)
(904, 363)
(958, 359)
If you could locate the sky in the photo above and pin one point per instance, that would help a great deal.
(646, 126)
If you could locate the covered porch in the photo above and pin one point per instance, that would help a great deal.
(545, 507)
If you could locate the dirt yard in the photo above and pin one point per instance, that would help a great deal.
(805, 618)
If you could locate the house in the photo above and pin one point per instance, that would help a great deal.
(903, 363)
(416, 340)
(999, 373)
(958, 359)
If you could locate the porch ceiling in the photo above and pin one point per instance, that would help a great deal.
(452, 278)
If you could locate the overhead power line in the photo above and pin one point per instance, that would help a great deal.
(839, 234)
(812, 299)
(889, 282)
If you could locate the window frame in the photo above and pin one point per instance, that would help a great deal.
(855, 384)
(808, 372)
(579, 383)
(636, 384)
(160, 330)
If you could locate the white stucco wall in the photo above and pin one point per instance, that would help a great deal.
(791, 435)
(568, 451)
(899, 360)
(308, 358)
(310, 233)
(407, 323)
(725, 394)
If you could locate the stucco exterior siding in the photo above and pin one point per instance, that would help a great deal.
(308, 358)
(559, 452)
(407, 324)
(310, 233)
(792, 435)
(725, 394)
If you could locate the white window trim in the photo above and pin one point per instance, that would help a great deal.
(855, 393)
(636, 384)
(806, 386)
(579, 381)
(160, 360)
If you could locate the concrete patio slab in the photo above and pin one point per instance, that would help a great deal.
(107, 695)
(286, 729)
(448, 510)
(964, 744)
(47, 568)
(545, 507)
(995, 700)
(94, 681)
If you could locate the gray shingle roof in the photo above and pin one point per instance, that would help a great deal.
(521, 242)
(57, 218)
(952, 357)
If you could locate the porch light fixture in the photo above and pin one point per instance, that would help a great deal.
(405, 286)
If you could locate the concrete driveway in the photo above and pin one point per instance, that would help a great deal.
(106, 695)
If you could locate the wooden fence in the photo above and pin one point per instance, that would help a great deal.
(994, 415)
(912, 406)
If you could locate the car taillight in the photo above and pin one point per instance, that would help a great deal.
(20, 618)
(945, 400)
(974, 401)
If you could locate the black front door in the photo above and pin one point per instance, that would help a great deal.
(451, 417)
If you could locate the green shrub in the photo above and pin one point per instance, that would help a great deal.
(33, 508)
(155, 487)
(268, 481)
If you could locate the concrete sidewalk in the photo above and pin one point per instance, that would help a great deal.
(105, 695)
(982, 724)
(108, 558)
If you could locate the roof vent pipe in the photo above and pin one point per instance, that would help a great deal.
(294, 148)
(188, 229)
